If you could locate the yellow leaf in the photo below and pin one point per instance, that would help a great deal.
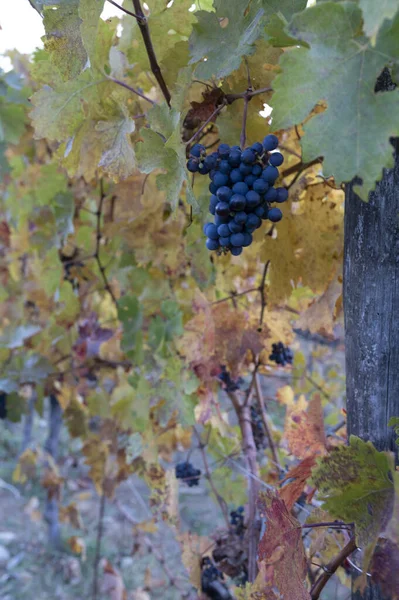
(78, 546)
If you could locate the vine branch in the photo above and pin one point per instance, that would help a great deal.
(262, 408)
(145, 32)
(128, 12)
(131, 89)
(98, 546)
(331, 568)
(98, 241)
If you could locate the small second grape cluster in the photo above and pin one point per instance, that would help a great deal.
(189, 474)
(242, 188)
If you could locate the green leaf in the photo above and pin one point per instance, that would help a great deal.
(355, 483)
(89, 12)
(337, 59)
(118, 158)
(63, 205)
(224, 37)
(131, 317)
(375, 13)
(12, 122)
(14, 337)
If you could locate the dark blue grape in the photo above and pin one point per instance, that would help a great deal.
(224, 241)
(247, 239)
(260, 186)
(211, 161)
(282, 194)
(235, 158)
(235, 227)
(213, 188)
(219, 220)
(192, 165)
(257, 148)
(275, 215)
(212, 244)
(211, 231)
(224, 150)
(237, 202)
(224, 193)
(248, 157)
(222, 209)
(260, 212)
(236, 176)
(271, 195)
(220, 179)
(203, 169)
(223, 230)
(240, 188)
(253, 199)
(249, 180)
(253, 221)
(197, 150)
(276, 159)
(270, 142)
(236, 148)
(224, 167)
(245, 169)
(257, 170)
(213, 199)
(270, 174)
(212, 209)
(237, 239)
(241, 218)
(236, 250)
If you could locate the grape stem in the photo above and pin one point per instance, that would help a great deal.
(131, 89)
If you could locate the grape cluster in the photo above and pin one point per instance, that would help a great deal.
(242, 188)
(212, 581)
(281, 354)
(187, 472)
(229, 384)
(237, 520)
(257, 428)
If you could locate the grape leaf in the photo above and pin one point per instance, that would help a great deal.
(224, 37)
(285, 7)
(118, 158)
(355, 483)
(281, 549)
(339, 58)
(131, 316)
(89, 13)
(374, 14)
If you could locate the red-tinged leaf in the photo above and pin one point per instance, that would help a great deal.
(305, 430)
(385, 568)
(201, 111)
(281, 548)
(300, 474)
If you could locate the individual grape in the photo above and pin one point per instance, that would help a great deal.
(271, 195)
(224, 150)
(282, 194)
(235, 158)
(197, 150)
(223, 230)
(257, 148)
(237, 203)
(240, 218)
(219, 220)
(224, 167)
(237, 239)
(270, 142)
(212, 209)
(270, 174)
(253, 221)
(257, 170)
(203, 169)
(248, 157)
(192, 165)
(220, 179)
(224, 241)
(276, 159)
(260, 186)
(245, 169)
(211, 231)
(235, 227)
(253, 199)
(240, 188)
(249, 180)
(260, 211)
(224, 193)
(213, 188)
(211, 162)
(212, 244)
(214, 200)
(236, 176)
(247, 239)
(236, 251)
(222, 209)
(275, 215)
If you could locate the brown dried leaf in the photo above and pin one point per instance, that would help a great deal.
(300, 474)
(304, 431)
(201, 111)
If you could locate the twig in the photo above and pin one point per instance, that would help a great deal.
(98, 547)
(243, 135)
(336, 524)
(262, 408)
(128, 12)
(209, 119)
(131, 89)
(262, 293)
(234, 295)
(331, 568)
(145, 32)
(230, 98)
(98, 241)
(318, 387)
(221, 501)
(300, 166)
